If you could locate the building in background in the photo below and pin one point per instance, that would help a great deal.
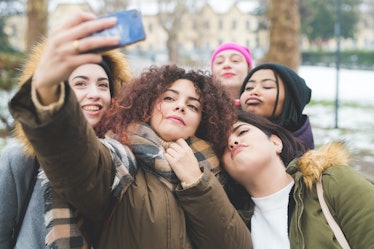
(201, 31)
(204, 30)
(200, 34)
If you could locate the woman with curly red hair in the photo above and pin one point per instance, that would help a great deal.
(136, 102)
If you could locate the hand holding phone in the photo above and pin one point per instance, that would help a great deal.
(129, 29)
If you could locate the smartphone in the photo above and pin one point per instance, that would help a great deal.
(129, 28)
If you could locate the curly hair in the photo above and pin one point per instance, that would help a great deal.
(135, 103)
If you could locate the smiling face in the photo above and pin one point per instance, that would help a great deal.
(91, 86)
(177, 113)
(250, 152)
(260, 94)
(231, 68)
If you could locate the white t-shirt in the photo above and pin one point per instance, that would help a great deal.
(269, 224)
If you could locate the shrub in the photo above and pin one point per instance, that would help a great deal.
(10, 64)
(350, 59)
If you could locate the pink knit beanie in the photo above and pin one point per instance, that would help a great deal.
(233, 46)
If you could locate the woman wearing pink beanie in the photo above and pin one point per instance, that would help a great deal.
(230, 63)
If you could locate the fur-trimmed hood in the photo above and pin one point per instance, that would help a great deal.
(117, 63)
(314, 162)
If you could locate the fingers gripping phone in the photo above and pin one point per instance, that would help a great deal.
(129, 28)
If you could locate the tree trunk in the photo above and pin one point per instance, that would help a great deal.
(172, 45)
(284, 35)
(37, 16)
(110, 6)
(170, 20)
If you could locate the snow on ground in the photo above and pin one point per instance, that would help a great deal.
(354, 85)
(355, 115)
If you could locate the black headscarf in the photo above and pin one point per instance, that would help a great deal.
(297, 95)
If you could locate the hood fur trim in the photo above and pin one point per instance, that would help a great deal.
(314, 162)
(116, 60)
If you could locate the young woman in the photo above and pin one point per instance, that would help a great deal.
(275, 188)
(278, 93)
(168, 117)
(94, 85)
(230, 63)
(175, 131)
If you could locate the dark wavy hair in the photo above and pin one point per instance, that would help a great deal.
(135, 103)
(291, 149)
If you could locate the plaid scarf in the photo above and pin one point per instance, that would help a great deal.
(63, 221)
(147, 148)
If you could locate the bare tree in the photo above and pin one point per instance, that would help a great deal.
(284, 35)
(171, 14)
(174, 15)
(170, 17)
(110, 6)
(37, 16)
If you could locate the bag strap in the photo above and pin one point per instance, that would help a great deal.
(330, 220)
(30, 190)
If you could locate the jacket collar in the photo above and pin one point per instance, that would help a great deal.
(314, 162)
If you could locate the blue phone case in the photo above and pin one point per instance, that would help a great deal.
(129, 28)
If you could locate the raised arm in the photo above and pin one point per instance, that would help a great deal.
(78, 166)
(66, 50)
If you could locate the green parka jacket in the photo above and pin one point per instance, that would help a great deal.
(349, 196)
(148, 214)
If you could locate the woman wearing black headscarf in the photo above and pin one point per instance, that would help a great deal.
(278, 93)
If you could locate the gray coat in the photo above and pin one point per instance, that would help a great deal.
(16, 168)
